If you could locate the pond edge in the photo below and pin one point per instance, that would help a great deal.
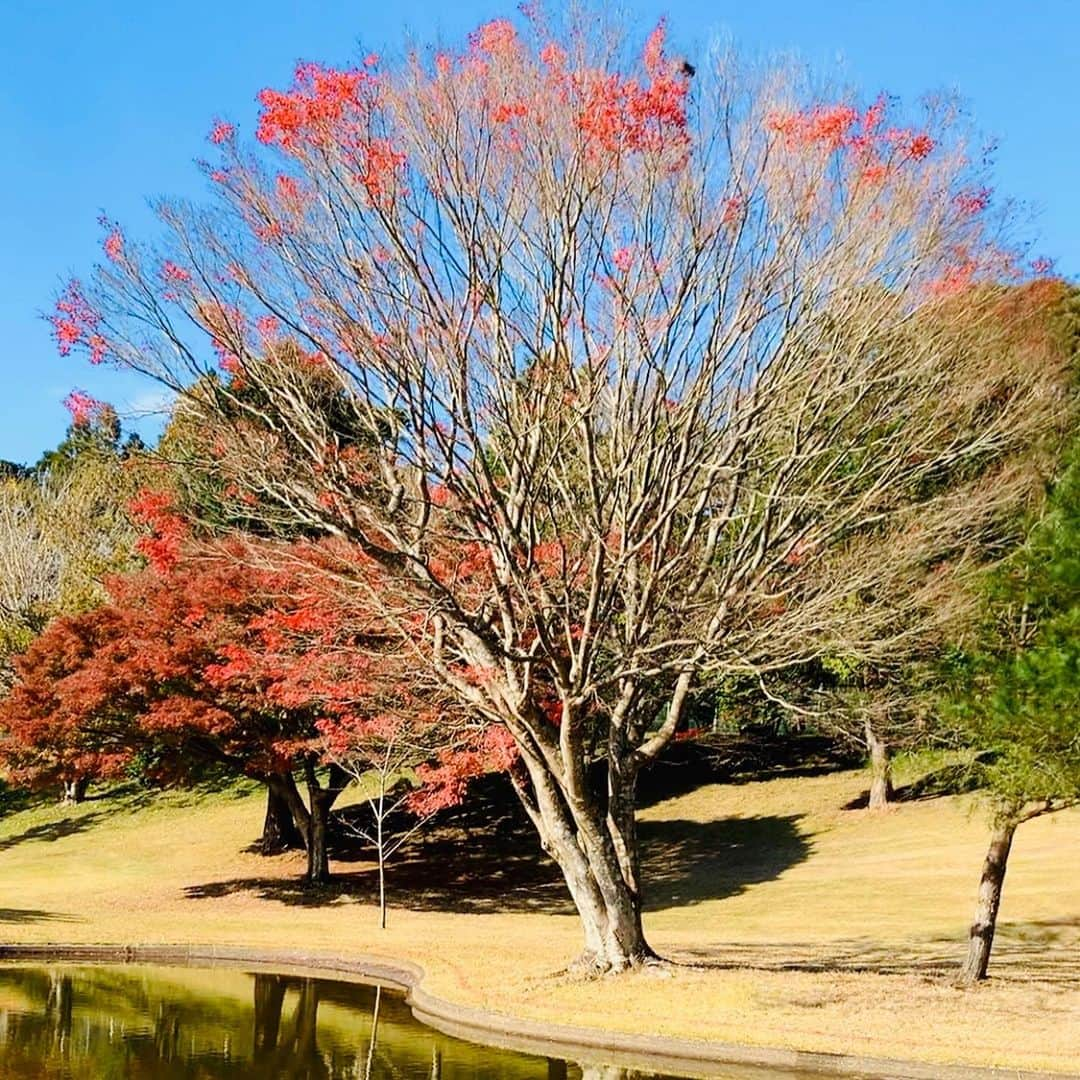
(583, 1045)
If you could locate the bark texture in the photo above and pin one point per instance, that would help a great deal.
(881, 786)
(321, 799)
(280, 829)
(596, 850)
(981, 937)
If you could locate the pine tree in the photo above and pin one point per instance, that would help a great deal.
(1021, 704)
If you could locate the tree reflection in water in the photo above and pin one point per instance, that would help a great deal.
(81, 1022)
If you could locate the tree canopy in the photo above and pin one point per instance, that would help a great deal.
(607, 380)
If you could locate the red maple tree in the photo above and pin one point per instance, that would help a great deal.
(239, 655)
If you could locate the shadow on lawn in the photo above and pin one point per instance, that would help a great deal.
(53, 830)
(934, 958)
(107, 802)
(955, 779)
(24, 916)
(686, 862)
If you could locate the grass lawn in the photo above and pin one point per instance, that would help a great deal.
(801, 923)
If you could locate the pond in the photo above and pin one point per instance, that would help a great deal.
(97, 1022)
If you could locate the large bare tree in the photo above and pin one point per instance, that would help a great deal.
(662, 373)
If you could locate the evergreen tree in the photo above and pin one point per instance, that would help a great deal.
(1020, 704)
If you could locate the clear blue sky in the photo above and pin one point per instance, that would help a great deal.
(107, 103)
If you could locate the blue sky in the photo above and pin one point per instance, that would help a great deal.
(105, 104)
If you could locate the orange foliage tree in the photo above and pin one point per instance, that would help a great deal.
(236, 656)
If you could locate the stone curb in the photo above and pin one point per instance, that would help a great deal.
(582, 1045)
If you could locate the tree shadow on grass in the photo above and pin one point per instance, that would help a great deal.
(688, 862)
(135, 795)
(685, 862)
(743, 758)
(955, 779)
(24, 916)
(1050, 959)
(53, 830)
(127, 798)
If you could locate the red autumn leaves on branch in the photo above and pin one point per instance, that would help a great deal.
(534, 91)
(235, 654)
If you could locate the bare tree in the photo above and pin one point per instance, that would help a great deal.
(651, 378)
(381, 768)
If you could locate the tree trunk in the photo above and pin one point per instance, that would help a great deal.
(320, 801)
(283, 786)
(881, 788)
(380, 847)
(576, 835)
(280, 831)
(981, 937)
(318, 864)
(622, 827)
(75, 790)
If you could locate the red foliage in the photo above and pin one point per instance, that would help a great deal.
(956, 278)
(919, 146)
(173, 274)
(330, 109)
(207, 656)
(167, 529)
(221, 132)
(495, 38)
(42, 719)
(319, 98)
(972, 201)
(114, 245)
(75, 322)
(619, 113)
(84, 409)
(445, 783)
(841, 128)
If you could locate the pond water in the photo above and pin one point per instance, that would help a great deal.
(97, 1022)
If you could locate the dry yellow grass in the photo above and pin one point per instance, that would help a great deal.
(807, 925)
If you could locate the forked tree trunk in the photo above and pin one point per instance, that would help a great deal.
(321, 801)
(280, 830)
(578, 836)
(981, 939)
(283, 788)
(75, 790)
(881, 787)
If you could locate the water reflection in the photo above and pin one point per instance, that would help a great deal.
(81, 1022)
